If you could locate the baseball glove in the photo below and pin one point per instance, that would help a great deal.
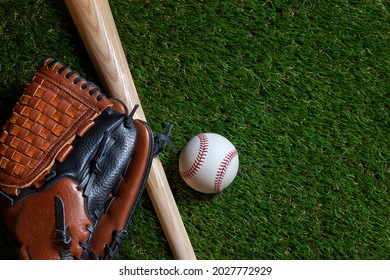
(73, 166)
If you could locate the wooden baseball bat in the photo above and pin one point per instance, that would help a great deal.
(95, 23)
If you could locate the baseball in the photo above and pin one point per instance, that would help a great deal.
(208, 163)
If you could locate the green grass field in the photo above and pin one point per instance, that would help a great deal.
(301, 88)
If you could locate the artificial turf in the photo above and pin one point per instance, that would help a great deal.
(301, 88)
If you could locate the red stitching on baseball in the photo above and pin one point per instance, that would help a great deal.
(223, 168)
(200, 157)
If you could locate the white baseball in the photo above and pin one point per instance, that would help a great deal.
(208, 163)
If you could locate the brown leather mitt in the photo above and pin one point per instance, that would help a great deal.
(73, 166)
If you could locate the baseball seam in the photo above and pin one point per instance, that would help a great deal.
(223, 168)
(200, 157)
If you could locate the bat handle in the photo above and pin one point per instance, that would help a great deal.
(169, 215)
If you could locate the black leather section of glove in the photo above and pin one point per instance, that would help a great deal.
(99, 159)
